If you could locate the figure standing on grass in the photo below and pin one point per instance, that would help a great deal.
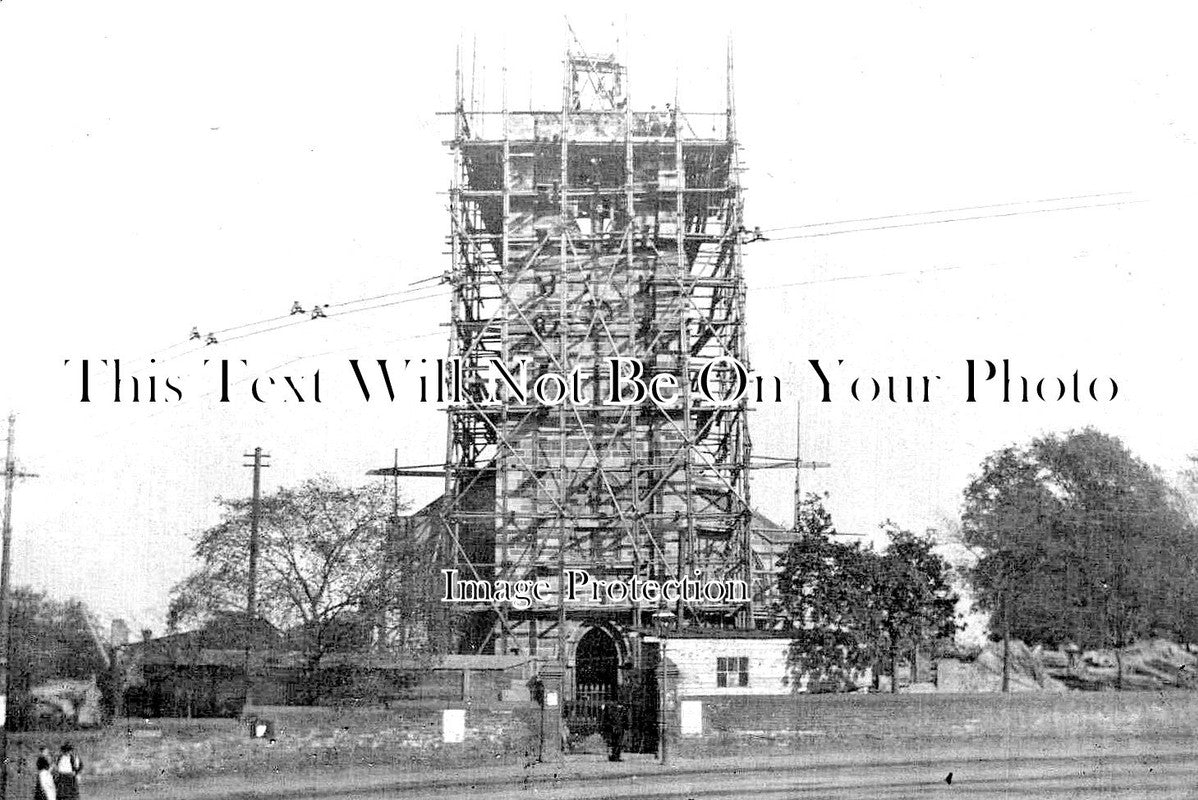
(43, 783)
(66, 773)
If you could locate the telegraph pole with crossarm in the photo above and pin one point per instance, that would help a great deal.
(801, 465)
(10, 478)
(251, 605)
(251, 601)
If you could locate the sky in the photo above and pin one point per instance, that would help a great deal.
(170, 165)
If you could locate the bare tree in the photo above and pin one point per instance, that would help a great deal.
(330, 567)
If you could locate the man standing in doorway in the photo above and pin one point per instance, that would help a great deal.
(614, 724)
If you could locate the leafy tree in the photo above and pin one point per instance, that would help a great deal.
(1007, 522)
(1079, 541)
(1184, 575)
(852, 607)
(48, 640)
(918, 602)
(331, 567)
(820, 587)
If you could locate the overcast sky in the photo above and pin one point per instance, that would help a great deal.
(166, 165)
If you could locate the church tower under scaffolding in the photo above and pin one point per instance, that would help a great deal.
(579, 234)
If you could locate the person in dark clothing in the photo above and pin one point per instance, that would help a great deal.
(614, 724)
(43, 783)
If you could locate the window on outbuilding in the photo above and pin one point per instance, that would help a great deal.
(731, 671)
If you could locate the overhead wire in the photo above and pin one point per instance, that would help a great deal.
(415, 286)
(153, 355)
(944, 211)
(338, 315)
(409, 290)
(930, 270)
(838, 278)
(951, 219)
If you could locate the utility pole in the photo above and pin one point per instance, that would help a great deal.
(391, 551)
(251, 603)
(1006, 643)
(801, 465)
(662, 620)
(10, 478)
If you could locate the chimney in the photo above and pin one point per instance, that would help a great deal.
(119, 637)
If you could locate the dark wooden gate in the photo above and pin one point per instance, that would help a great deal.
(584, 713)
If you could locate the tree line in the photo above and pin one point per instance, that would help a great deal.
(1075, 542)
(1079, 542)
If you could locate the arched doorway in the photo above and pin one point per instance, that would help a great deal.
(596, 662)
(596, 681)
(604, 672)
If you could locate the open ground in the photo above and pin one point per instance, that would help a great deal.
(1101, 744)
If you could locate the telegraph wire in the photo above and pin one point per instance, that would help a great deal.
(343, 303)
(413, 288)
(945, 211)
(416, 287)
(951, 219)
(303, 357)
(870, 275)
(897, 273)
(251, 324)
(338, 315)
(291, 323)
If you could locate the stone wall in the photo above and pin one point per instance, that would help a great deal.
(304, 738)
(868, 722)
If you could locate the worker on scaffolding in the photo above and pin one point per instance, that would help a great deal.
(655, 123)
